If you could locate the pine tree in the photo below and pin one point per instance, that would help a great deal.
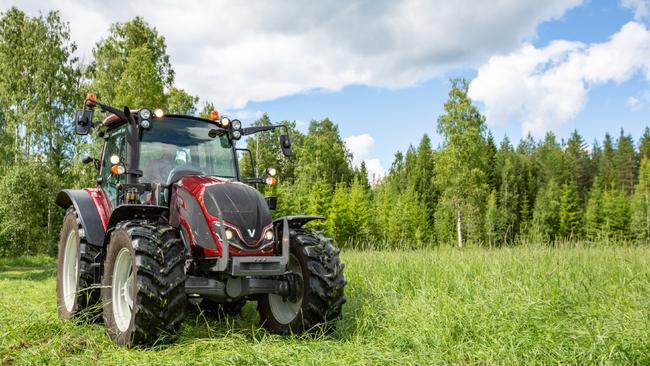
(422, 179)
(606, 167)
(549, 158)
(570, 212)
(362, 175)
(578, 165)
(318, 202)
(546, 215)
(594, 213)
(641, 204)
(338, 220)
(359, 212)
(493, 174)
(644, 144)
(626, 163)
(616, 214)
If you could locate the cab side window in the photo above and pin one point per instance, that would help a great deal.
(115, 146)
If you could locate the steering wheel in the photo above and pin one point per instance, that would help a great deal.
(181, 171)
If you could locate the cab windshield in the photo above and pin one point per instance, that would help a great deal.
(173, 144)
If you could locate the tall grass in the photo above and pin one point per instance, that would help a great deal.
(522, 305)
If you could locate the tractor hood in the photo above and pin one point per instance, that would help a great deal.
(241, 206)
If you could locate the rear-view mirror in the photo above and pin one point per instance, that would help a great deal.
(285, 144)
(83, 121)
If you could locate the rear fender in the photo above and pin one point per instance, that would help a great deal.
(87, 211)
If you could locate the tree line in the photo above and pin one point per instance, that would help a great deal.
(466, 190)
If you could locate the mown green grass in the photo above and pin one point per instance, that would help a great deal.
(505, 306)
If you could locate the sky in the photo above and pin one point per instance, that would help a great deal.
(380, 69)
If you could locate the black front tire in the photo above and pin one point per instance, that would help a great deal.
(321, 296)
(85, 295)
(156, 288)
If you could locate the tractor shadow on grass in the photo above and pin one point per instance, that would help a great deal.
(359, 305)
(246, 326)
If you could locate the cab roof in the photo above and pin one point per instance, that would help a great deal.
(112, 120)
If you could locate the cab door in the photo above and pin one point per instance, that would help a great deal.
(115, 146)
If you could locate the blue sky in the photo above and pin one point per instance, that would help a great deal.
(396, 119)
(380, 68)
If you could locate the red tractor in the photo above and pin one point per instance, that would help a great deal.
(172, 223)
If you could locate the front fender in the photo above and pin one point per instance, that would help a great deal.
(134, 212)
(87, 212)
(296, 222)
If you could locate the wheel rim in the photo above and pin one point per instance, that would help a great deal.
(122, 290)
(70, 270)
(283, 310)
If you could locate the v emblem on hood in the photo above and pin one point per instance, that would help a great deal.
(251, 232)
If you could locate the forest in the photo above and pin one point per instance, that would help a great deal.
(466, 191)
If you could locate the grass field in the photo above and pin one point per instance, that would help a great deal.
(506, 306)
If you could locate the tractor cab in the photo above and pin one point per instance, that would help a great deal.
(170, 147)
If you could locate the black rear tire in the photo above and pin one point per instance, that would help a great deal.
(86, 296)
(156, 288)
(322, 294)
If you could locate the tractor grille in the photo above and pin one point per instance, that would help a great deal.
(240, 205)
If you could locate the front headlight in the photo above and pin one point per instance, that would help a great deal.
(236, 124)
(268, 235)
(145, 114)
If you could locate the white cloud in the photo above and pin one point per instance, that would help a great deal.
(633, 102)
(546, 87)
(234, 52)
(375, 170)
(246, 115)
(640, 8)
(360, 146)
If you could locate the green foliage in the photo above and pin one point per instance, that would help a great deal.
(140, 84)
(461, 165)
(265, 151)
(644, 144)
(626, 163)
(38, 88)
(180, 102)
(616, 214)
(641, 204)
(491, 220)
(510, 193)
(594, 217)
(546, 216)
(111, 56)
(326, 156)
(30, 218)
(319, 202)
(580, 169)
(570, 212)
